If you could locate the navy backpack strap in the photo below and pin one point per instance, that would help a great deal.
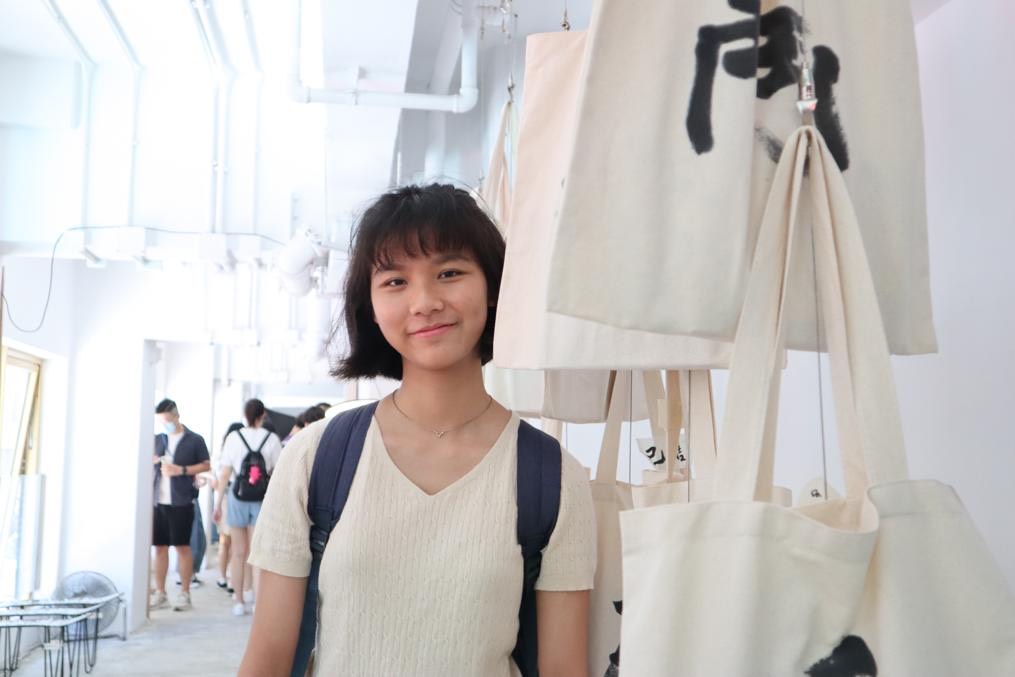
(338, 455)
(538, 495)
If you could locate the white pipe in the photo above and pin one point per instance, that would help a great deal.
(138, 73)
(462, 102)
(227, 74)
(440, 80)
(88, 73)
(202, 34)
(255, 58)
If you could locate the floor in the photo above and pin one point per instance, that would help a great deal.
(207, 641)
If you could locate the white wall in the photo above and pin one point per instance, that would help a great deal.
(26, 291)
(959, 405)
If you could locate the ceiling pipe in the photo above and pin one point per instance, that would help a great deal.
(138, 74)
(462, 102)
(255, 59)
(88, 66)
(213, 66)
(227, 77)
(440, 81)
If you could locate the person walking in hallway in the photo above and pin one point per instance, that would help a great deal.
(249, 456)
(179, 455)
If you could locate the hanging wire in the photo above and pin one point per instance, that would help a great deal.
(565, 24)
(630, 424)
(687, 426)
(56, 244)
(817, 353)
(805, 105)
(482, 113)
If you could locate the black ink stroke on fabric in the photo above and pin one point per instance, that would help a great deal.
(739, 63)
(852, 658)
(826, 117)
(613, 670)
(655, 455)
(782, 29)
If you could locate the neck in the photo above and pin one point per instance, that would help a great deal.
(179, 429)
(443, 399)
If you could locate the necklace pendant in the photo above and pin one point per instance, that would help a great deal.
(440, 433)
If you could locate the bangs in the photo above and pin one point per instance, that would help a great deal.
(405, 235)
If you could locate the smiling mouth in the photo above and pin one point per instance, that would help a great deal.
(432, 331)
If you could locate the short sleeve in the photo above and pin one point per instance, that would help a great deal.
(281, 542)
(226, 456)
(202, 451)
(569, 560)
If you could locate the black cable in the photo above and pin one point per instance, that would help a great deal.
(56, 244)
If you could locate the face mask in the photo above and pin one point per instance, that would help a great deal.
(169, 427)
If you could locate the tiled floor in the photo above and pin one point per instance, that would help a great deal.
(207, 641)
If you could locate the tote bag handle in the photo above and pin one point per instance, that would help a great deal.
(870, 429)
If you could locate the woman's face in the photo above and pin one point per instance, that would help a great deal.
(431, 309)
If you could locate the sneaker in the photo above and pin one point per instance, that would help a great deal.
(239, 609)
(248, 596)
(182, 602)
(195, 582)
(230, 590)
(160, 600)
(223, 583)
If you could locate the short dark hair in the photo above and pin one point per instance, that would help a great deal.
(416, 221)
(312, 414)
(253, 410)
(166, 406)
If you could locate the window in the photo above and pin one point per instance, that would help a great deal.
(20, 485)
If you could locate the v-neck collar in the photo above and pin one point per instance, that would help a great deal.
(497, 448)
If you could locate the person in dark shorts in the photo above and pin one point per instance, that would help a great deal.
(179, 455)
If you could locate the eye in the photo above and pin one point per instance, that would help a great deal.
(393, 282)
(448, 274)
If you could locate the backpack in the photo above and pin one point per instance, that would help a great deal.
(252, 483)
(538, 497)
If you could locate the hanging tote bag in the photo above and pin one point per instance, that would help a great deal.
(611, 497)
(687, 470)
(892, 580)
(684, 109)
(553, 63)
(573, 396)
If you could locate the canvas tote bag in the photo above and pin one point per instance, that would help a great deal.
(892, 580)
(553, 63)
(574, 396)
(683, 111)
(611, 497)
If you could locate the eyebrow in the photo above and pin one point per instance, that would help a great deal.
(440, 261)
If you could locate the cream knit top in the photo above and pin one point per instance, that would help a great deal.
(414, 584)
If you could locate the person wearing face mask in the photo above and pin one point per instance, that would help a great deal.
(180, 454)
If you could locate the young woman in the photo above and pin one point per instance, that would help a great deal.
(423, 573)
(242, 515)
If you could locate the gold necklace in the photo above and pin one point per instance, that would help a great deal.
(439, 433)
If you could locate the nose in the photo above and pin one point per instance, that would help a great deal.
(426, 299)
